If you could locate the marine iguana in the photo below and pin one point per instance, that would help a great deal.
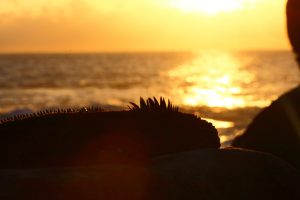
(91, 136)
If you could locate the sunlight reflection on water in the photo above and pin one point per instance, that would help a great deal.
(215, 79)
(221, 126)
(219, 123)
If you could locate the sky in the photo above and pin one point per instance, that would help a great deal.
(141, 25)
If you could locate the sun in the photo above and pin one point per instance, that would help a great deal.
(209, 7)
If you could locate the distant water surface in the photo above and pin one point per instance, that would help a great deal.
(227, 88)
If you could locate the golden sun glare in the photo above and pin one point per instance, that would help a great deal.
(209, 7)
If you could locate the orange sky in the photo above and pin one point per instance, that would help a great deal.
(141, 25)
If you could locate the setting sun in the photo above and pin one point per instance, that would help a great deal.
(209, 7)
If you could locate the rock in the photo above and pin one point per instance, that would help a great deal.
(276, 129)
(107, 182)
(207, 174)
(225, 174)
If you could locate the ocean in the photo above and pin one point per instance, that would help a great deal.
(226, 88)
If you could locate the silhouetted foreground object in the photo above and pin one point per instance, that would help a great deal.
(293, 25)
(92, 136)
(225, 174)
(150, 152)
(276, 129)
(208, 174)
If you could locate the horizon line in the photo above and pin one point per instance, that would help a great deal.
(145, 51)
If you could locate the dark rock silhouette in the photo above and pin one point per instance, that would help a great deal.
(225, 174)
(276, 129)
(293, 25)
(207, 174)
(92, 136)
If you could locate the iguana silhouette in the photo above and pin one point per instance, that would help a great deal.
(91, 136)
